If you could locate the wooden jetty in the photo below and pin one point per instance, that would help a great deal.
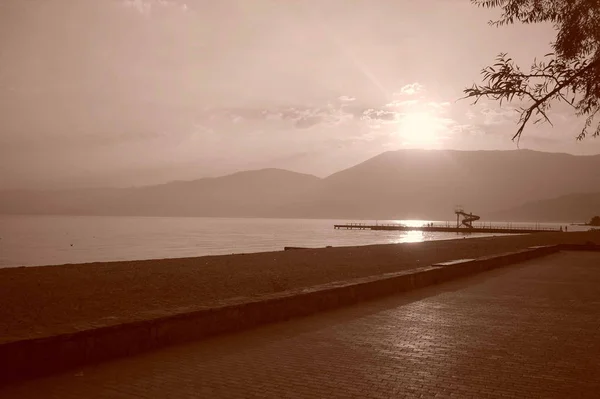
(446, 229)
(464, 224)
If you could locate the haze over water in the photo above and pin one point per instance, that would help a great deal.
(52, 240)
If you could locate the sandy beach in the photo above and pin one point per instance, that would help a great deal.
(42, 301)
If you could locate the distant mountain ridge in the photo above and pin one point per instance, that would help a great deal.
(404, 184)
(580, 207)
(257, 193)
(428, 184)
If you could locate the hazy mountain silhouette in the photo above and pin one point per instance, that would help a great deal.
(428, 184)
(399, 184)
(567, 208)
(261, 193)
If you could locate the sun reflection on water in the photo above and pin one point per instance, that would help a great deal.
(412, 223)
(400, 237)
(407, 236)
(413, 236)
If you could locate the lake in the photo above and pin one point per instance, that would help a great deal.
(51, 240)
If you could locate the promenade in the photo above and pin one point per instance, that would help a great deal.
(522, 331)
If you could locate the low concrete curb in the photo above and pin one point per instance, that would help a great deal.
(589, 246)
(29, 358)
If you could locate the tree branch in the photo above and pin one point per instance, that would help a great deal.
(537, 104)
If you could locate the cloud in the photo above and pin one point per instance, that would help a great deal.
(375, 118)
(147, 6)
(400, 100)
(379, 115)
(420, 120)
(142, 6)
(305, 122)
(401, 103)
(346, 99)
(301, 117)
(466, 129)
(438, 105)
(411, 89)
(497, 116)
(483, 119)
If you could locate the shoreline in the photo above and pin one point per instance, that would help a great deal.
(40, 301)
(44, 242)
(282, 249)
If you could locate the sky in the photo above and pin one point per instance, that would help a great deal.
(136, 92)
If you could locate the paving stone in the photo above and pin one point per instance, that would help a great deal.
(524, 331)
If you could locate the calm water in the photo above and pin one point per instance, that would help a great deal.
(51, 240)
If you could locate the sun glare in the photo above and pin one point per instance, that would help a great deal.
(420, 129)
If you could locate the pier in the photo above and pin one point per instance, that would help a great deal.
(464, 224)
(447, 229)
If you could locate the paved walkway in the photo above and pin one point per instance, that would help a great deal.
(529, 330)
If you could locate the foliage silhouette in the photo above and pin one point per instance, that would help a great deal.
(570, 74)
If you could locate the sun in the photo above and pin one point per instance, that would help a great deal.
(420, 130)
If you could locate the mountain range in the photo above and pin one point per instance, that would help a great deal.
(579, 207)
(405, 184)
